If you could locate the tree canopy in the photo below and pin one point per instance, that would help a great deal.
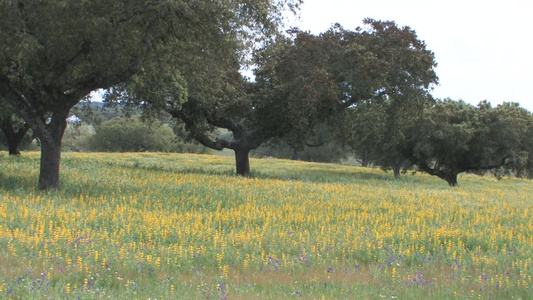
(453, 137)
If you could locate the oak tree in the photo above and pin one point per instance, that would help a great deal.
(452, 137)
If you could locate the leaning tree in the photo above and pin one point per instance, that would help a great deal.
(54, 53)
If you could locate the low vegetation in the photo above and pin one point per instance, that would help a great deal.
(166, 226)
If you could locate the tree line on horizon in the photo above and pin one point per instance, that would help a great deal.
(367, 89)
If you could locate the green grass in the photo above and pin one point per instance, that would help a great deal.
(171, 226)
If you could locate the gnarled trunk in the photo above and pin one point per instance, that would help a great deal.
(449, 175)
(242, 161)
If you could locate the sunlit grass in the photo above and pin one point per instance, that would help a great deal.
(183, 226)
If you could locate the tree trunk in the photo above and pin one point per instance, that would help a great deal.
(51, 139)
(14, 141)
(242, 161)
(364, 162)
(50, 161)
(295, 154)
(396, 169)
(364, 158)
(451, 178)
(13, 138)
(13, 148)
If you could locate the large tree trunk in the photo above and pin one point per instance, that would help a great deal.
(50, 161)
(242, 161)
(51, 139)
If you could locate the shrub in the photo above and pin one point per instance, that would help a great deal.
(131, 134)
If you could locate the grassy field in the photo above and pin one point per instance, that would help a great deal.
(171, 226)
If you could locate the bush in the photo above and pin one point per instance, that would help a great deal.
(77, 136)
(130, 134)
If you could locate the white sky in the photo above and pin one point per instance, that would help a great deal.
(483, 48)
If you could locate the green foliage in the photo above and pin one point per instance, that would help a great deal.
(124, 134)
(77, 136)
(453, 137)
(510, 130)
(376, 131)
(131, 134)
(329, 152)
(402, 73)
(184, 142)
(308, 80)
(443, 138)
(363, 129)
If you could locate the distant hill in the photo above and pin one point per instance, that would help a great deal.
(96, 112)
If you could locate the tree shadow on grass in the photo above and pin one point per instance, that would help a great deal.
(14, 171)
(327, 173)
(316, 172)
(17, 183)
(280, 173)
(272, 170)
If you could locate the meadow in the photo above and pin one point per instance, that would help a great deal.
(180, 226)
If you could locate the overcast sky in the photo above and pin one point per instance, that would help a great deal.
(483, 48)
